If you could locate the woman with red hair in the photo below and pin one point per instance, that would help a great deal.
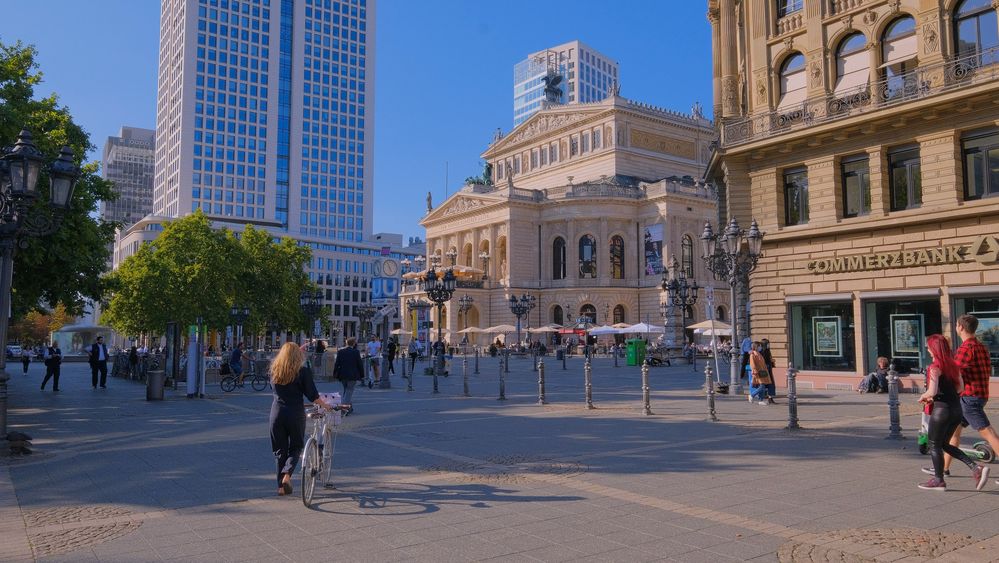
(943, 390)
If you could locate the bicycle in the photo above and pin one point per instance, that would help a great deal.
(317, 456)
(232, 381)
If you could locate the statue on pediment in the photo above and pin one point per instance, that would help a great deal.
(430, 202)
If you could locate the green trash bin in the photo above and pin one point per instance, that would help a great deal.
(640, 352)
(635, 352)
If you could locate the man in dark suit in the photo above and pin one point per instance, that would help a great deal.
(349, 369)
(99, 362)
(53, 361)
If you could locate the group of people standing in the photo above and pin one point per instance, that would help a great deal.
(957, 389)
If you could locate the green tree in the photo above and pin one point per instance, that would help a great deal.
(272, 278)
(63, 267)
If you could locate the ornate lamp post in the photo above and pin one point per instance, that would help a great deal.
(464, 305)
(439, 289)
(20, 218)
(364, 315)
(679, 293)
(452, 255)
(521, 308)
(484, 259)
(729, 259)
(311, 305)
(238, 315)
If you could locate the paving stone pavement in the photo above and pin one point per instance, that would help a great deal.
(422, 477)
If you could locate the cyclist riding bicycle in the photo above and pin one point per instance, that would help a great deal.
(236, 363)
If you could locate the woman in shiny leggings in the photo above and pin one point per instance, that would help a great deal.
(942, 395)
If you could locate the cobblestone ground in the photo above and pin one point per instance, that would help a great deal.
(423, 477)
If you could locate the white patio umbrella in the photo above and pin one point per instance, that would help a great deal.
(709, 324)
(605, 329)
(643, 328)
(501, 328)
(472, 330)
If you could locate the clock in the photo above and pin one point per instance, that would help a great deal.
(390, 268)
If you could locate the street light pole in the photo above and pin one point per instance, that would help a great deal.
(439, 289)
(20, 218)
(464, 305)
(726, 257)
(679, 293)
(521, 308)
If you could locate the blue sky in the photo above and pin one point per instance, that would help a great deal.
(444, 73)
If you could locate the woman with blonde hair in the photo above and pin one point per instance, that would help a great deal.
(292, 382)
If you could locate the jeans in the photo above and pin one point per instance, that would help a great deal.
(943, 422)
(348, 390)
(287, 438)
(758, 392)
(771, 389)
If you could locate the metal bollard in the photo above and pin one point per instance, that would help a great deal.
(464, 374)
(534, 360)
(709, 391)
(646, 407)
(412, 374)
(476, 361)
(615, 358)
(506, 362)
(405, 360)
(502, 382)
(588, 382)
(895, 425)
(792, 399)
(541, 382)
(3, 403)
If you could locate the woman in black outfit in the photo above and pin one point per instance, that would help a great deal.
(943, 389)
(292, 382)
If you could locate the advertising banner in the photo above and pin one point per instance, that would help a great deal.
(654, 250)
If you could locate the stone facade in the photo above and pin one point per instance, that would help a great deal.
(638, 175)
(875, 264)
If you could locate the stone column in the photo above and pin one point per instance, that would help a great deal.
(729, 64)
(716, 72)
(603, 253)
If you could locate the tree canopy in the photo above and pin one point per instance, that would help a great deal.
(192, 270)
(64, 267)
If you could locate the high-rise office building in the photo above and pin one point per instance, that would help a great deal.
(587, 76)
(265, 116)
(265, 111)
(128, 162)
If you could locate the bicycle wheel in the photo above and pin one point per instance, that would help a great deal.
(228, 383)
(310, 470)
(259, 383)
(329, 443)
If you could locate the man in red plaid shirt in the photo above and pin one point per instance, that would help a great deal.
(976, 368)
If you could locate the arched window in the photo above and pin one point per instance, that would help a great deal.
(587, 256)
(898, 58)
(618, 314)
(720, 314)
(793, 87)
(852, 65)
(558, 259)
(557, 316)
(617, 257)
(687, 256)
(589, 311)
(785, 7)
(975, 32)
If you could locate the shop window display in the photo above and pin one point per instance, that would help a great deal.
(898, 331)
(822, 336)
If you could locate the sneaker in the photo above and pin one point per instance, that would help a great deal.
(750, 397)
(980, 475)
(934, 484)
(764, 403)
(929, 471)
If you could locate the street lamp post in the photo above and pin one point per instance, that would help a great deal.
(439, 289)
(238, 315)
(364, 315)
(484, 258)
(312, 305)
(728, 259)
(20, 219)
(679, 293)
(464, 305)
(521, 308)
(452, 255)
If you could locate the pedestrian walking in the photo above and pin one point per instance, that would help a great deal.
(746, 347)
(768, 358)
(292, 382)
(374, 350)
(942, 400)
(98, 360)
(973, 358)
(348, 369)
(53, 362)
(760, 374)
(414, 352)
(133, 363)
(390, 352)
(25, 359)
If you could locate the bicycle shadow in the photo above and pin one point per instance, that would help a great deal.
(410, 499)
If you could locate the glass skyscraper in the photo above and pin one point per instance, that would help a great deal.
(587, 76)
(128, 162)
(264, 114)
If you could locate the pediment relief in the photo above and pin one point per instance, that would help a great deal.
(541, 124)
(458, 206)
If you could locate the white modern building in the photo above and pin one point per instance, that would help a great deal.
(265, 116)
(587, 76)
(128, 162)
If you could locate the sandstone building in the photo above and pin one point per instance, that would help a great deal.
(863, 135)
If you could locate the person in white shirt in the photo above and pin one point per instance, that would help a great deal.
(374, 349)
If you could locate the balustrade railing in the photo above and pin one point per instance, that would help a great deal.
(922, 82)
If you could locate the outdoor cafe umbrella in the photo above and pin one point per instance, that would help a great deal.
(605, 329)
(501, 328)
(709, 324)
(644, 328)
(471, 330)
(546, 328)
